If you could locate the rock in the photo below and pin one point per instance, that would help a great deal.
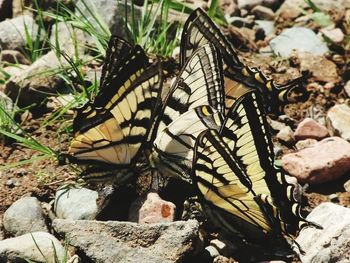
(67, 38)
(114, 241)
(76, 203)
(273, 4)
(14, 57)
(300, 39)
(325, 161)
(74, 259)
(114, 18)
(276, 125)
(290, 10)
(262, 12)
(285, 135)
(326, 73)
(13, 34)
(335, 35)
(5, 9)
(331, 244)
(310, 129)
(241, 21)
(20, 7)
(338, 119)
(305, 143)
(31, 85)
(7, 103)
(152, 210)
(27, 247)
(2, 233)
(347, 186)
(333, 198)
(248, 4)
(347, 88)
(213, 252)
(267, 26)
(24, 216)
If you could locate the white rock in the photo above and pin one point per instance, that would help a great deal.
(300, 39)
(285, 134)
(335, 35)
(248, 4)
(338, 119)
(26, 247)
(24, 216)
(330, 244)
(76, 203)
(347, 88)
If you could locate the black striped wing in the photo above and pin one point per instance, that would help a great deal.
(115, 133)
(173, 147)
(227, 192)
(199, 83)
(246, 132)
(199, 29)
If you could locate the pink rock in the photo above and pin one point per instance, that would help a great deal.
(335, 34)
(310, 129)
(325, 161)
(156, 210)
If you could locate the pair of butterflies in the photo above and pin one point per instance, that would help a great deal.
(210, 130)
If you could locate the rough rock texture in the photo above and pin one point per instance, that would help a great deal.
(262, 12)
(305, 143)
(14, 57)
(113, 18)
(330, 244)
(310, 129)
(24, 247)
(34, 83)
(24, 216)
(322, 162)
(326, 73)
(114, 241)
(152, 210)
(300, 39)
(76, 203)
(12, 32)
(338, 119)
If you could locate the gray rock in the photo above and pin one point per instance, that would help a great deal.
(14, 57)
(26, 247)
(248, 4)
(24, 216)
(76, 203)
(330, 244)
(338, 119)
(12, 32)
(20, 7)
(267, 26)
(114, 241)
(300, 39)
(113, 19)
(262, 12)
(70, 40)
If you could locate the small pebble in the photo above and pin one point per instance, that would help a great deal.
(334, 198)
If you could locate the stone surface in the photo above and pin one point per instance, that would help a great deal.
(155, 210)
(338, 119)
(267, 26)
(264, 13)
(33, 84)
(65, 37)
(300, 39)
(5, 9)
(305, 143)
(24, 216)
(76, 203)
(347, 186)
(12, 32)
(310, 129)
(248, 4)
(229, 7)
(326, 73)
(114, 241)
(335, 34)
(114, 18)
(331, 244)
(14, 57)
(24, 247)
(285, 135)
(325, 161)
